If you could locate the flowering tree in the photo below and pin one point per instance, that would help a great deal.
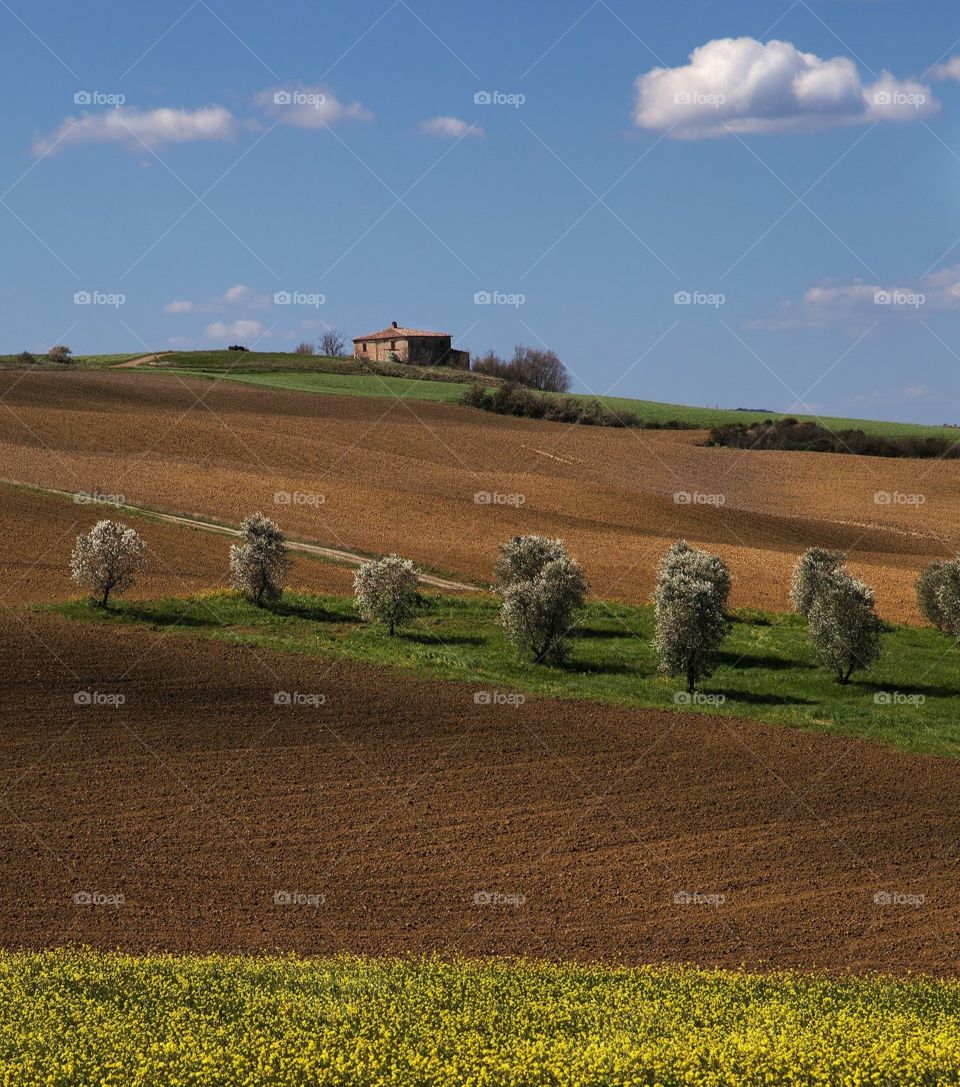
(844, 625)
(107, 559)
(689, 612)
(811, 568)
(387, 591)
(938, 590)
(259, 564)
(522, 558)
(537, 612)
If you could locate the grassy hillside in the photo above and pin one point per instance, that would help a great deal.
(910, 698)
(72, 1017)
(312, 373)
(12, 362)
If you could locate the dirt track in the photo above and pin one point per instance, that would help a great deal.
(404, 476)
(399, 801)
(37, 534)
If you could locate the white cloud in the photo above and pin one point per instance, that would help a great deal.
(949, 70)
(238, 297)
(235, 330)
(857, 300)
(449, 128)
(747, 86)
(309, 107)
(134, 128)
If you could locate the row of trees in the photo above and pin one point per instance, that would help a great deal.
(333, 344)
(542, 589)
(531, 366)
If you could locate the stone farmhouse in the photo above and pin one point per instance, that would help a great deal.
(412, 345)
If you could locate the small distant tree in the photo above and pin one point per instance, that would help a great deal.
(843, 625)
(59, 353)
(690, 612)
(491, 365)
(107, 559)
(26, 358)
(930, 584)
(259, 564)
(332, 343)
(540, 369)
(237, 347)
(305, 349)
(811, 568)
(538, 613)
(523, 558)
(387, 591)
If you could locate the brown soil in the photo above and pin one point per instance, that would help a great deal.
(399, 801)
(402, 476)
(37, 534)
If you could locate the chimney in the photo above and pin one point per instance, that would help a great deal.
(393, 324)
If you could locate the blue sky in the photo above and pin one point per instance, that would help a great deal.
(743, 204)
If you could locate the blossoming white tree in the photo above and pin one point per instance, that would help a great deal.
(522, 558)
(107, 559)
(689, 612)
(259, 564)
(387, 591)
(808, 574)
(538, 612)
(844, 625)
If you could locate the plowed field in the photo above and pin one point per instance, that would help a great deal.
(400, 816)
(405, 476)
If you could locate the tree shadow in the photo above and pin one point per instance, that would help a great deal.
(924, 689)
(421, 638)
(167, 619)
(592, 668)
(760, 699)
(770, 664)
(315, 613)
(596, 632)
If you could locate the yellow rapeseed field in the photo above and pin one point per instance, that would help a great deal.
(80, 1017)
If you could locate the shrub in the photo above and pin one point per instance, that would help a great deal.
(689, 612)
(305, 348)
(523, 558)
(843, 624)
(537, 613)
(791, 434)
(387, 591)
(808, 574)
(237, 347)
(59, 353)
(107, 559)
(259, 564)
(26, 358)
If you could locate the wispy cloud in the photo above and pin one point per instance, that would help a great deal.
(239, 297)
(235, 330)
(746, 86)
(134, 128)
(309, 107)
(449, 128)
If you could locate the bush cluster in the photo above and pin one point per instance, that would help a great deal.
(530, 366)
(796, 436)
(517, 400)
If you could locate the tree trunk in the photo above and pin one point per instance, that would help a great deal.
(691, 675)
(392, 628)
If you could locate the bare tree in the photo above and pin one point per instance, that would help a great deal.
(106, 559)
(305, 349)
(332, 343)
(540, 369)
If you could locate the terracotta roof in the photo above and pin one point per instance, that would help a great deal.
(399, 333)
